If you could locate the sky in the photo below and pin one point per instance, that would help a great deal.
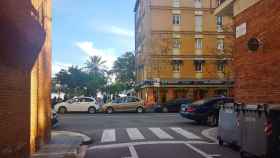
(83, 28)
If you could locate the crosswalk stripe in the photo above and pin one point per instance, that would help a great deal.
(108, 135)
(185, 133)
(134, 134)
(160, 133)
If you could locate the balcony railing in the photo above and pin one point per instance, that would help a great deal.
(224, 8)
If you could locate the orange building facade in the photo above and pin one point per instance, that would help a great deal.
(25, 76)
(182, 50)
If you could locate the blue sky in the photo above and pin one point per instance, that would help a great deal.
(82, 28)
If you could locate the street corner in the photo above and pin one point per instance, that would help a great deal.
(68, 137)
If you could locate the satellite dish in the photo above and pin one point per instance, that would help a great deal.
(253, 44)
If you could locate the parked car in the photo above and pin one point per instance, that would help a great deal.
(124, 104)
(205, 111)
(54, 119)
(172, 106)
(79, 104)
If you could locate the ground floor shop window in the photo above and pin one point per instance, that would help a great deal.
(200, 94)
(221, 92)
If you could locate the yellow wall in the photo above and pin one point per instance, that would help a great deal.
(41, 82)
(158, 51)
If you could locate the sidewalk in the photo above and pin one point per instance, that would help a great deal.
(64, 145)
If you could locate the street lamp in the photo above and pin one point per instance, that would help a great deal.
(85, 88)
(58, 87)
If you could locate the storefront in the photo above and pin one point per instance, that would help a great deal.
(194, 90)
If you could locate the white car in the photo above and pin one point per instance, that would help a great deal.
(80, 104)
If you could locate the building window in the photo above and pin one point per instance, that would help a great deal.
(219, 23)
(177, 43)
(220, 44)
(198, 23)
(221, 67)
(198, 43)
(219, 2)
(176, 65)
(198, 3)
(176, 19)
(198, 66)
(176, 3)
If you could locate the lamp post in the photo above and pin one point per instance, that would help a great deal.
(58, 87)
(85, 88)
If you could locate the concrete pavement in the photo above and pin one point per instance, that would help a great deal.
(149, 135)
(64, 144)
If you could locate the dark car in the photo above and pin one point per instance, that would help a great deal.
(172, 106)
(205, 111)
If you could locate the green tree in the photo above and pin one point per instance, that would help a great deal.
(124, 69)
(73, 81)
(95, 65)
(117, 87)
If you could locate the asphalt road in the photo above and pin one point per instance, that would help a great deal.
(148, 135)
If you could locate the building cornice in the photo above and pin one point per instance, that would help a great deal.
(181, 8)
(192, 32)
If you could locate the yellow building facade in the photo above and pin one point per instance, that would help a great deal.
(182, 50)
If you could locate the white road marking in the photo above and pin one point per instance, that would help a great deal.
(185, 133)
(133, 152)
(200, 152)
(207, 133)
(215, 155)
(109, 146)
(134, 134)
(160, 133)
(109, 135)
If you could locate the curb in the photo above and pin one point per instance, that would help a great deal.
(81, 151)
(86, 139)
(207, 133)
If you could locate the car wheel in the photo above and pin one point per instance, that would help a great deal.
(62, 110)
(212, 120)
(109, 110)
(165, 110)
(91, 110)
(140, 110)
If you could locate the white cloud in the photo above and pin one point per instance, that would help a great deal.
(114, 30)
(109, 54)
(57, 66)
(121, 32)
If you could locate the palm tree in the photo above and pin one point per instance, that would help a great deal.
(95, 65)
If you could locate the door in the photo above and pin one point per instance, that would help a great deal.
(72, 105)
(85, 103)
(121, 105)
(132, 103)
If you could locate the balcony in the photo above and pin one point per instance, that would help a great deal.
(224, 8)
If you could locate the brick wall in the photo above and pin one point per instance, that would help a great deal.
(258, 74)
(14, 122)
(25, 83)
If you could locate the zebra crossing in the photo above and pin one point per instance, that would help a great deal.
(135, 134)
